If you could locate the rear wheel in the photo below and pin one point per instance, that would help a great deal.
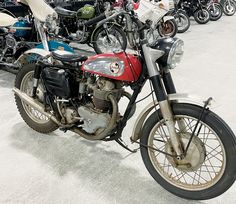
(201, 16)
(33, 118)
(207, 170)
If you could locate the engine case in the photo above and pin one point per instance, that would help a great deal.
(93, 120)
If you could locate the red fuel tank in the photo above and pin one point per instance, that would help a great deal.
(118, 66)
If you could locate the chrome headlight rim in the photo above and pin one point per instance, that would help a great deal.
(178, 44)
(169, 46)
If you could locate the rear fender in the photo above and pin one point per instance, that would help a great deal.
(55, 45)
(32, 55)
(179, 98)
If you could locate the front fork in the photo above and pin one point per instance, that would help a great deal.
(166, 111)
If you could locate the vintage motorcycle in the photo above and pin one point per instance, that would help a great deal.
(164, 22)
(181, 17)
(83, 27)
(215, 9)
(186, 147)
(18, 35)
(196, 9)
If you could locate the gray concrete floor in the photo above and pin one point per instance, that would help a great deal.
(63, 168)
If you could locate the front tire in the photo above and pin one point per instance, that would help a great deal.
(103, 43)
(183, 21)
(201, 16)
(34, 119)
(215, 14)
(168, 28)
(214, 173)
(229, 8)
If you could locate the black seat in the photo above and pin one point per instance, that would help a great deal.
(64, 12)
(73, 57)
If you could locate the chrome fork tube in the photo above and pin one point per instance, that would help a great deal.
(151, 55)
(42, 34)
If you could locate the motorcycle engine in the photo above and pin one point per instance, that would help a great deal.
(96, 118)
(91, 109)
(11, 41)
(81, 34)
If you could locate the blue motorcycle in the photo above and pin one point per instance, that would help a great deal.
(18, 35)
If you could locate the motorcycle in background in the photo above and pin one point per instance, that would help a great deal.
(163, 24)
(186, 147)
(181, 17)
(18, 35)
(229, 7)
(196, 9)
(85, 27)
(214, 8)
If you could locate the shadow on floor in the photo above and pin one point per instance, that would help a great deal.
(6, 79)
(92, 163)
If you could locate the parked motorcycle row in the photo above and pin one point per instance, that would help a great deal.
(187, 148)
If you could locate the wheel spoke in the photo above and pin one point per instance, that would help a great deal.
(194, 176)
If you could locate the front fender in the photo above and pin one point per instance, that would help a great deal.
(180, 98)
(167, 18)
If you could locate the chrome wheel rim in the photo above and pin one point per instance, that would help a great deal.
(108, 43)
(203, 15)
(168, 29)
(182, 22)
(26, 87)
(195, 179)
(229, 8)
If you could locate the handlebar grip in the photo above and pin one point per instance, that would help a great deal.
(95, 20)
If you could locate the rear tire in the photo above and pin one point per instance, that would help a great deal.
(182, 185)
(42, 125)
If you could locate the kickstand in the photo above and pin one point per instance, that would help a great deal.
(122, 144)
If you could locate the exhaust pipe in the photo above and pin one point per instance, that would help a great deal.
(39, 107)
(35, 104)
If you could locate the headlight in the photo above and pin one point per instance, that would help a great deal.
(174, 50)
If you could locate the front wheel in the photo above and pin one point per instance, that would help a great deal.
(207, 170)
(106, 40)
(182, 20)
(215, 12)
(229, 8)
(201, 16)
(168, 28)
